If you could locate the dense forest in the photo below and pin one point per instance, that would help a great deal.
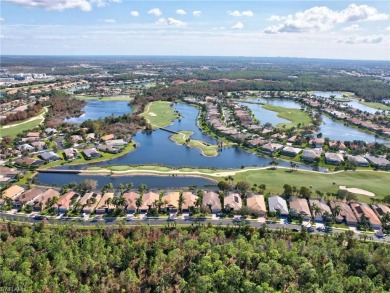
(62, 106)
(40, 258)
(31, 111)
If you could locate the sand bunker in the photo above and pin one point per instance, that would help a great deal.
(152, 114)
(357, 191)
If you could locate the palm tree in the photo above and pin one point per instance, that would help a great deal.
(385, 219)
(129, 186)
(121, 188)
(181, 201)
(142, 188)
(316, 210)
(138, 202)
(336, 212)
(198, 203)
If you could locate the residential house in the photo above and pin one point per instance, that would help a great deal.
(311, 155)
(346, 214)
(27, 196)
(323, 209)
(89, 206)
(363, 210)
(131, 199)
(291, 151)
(189, 201)
(76, 138)
(276, 204)
(334, 158)
(116, 143)
(71, 154)
(212, 202)
(39, 145)
(378, 162)
(300, 206)
(271, 148)
(256, 142)
(358, 161)
(66, 201)
(51, 131)
(317, 142)
(148, 200)
(337, 145)
(91, 153)
(107, 137)
(233, 201)
(25, 147)
(256, 202)
(90, 137)
(380, 209)
(104, 204)
(172, 199)
(11, 173)
(40, 204)
(49, 156)
(35, 135)
(28, 162)
(108, 149)
(13, 192)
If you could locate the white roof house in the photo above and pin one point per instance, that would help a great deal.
(276, 203)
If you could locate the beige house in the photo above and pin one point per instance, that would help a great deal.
(300, 206)
(40, 204)
(90, 208)
(131, 198)
(233, 200)
(66, 201)
(12, 192)
(256, 202)
(346, 214)
(212, 202)
(103, 206)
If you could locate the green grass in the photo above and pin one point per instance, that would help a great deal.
(19, 127)
(376, 182)
(378, 106)
(296, 116)
(207, 150)
(160, 114)
(105, 98)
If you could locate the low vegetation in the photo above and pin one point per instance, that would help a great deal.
(184, 138)
(160, 114)
(296, 116)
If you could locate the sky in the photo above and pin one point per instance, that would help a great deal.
(310, 29)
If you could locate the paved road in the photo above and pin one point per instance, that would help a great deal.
(163, 222)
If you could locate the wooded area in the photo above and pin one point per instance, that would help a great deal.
(194, 259)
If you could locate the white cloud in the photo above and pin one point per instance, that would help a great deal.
(85, 5)
(181, 12)
(155, 11)
(352, 28)
(1, 19)
(388, 28)
(109, 20)
(238, 26)
(134, 13)
(321, 18)
(374, 39)
(196, 13)
(240, 13)
(275, 18)
(175, 22)
(170, 22)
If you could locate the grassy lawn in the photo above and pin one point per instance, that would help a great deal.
(160, 114)
(294, 115)
(378, 106)
(207, 150)
(104, 99)
(376, 182)
(19, 127)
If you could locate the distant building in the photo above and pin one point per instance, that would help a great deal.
(311, 155)
(91, 153)
(49, 156)
(358, 161)
(291, 151)
(334, 158)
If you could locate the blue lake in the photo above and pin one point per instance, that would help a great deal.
(328, 94)
(96, 109)
(151, 181)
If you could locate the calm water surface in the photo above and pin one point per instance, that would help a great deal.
(96, 109)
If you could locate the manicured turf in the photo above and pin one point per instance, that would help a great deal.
(378, 106)
(296, 116)
(104, 99)
(207, 150)
(160, 114)
(376, 182)
(22, 126)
